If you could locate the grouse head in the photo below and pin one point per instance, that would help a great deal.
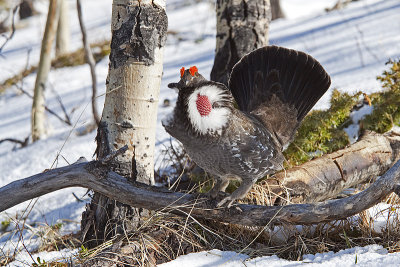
(205, 105)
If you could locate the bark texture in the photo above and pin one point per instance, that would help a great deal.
(130, 110)
(63, 31)
(242, 26)
(38, 107)
(276, 10)
(327, 176)
(96, 176)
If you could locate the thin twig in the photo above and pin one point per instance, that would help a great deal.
(45, 107)
(12, 28)
(106, 160)
(91, 62)
(67, 118)
(13, 140)
(22, 238)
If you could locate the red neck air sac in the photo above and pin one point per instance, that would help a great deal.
(203, 105)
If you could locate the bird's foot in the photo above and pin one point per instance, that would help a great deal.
(228, 201)
(215, 194)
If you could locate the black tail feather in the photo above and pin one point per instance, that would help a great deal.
(297, 79)
(302, 79)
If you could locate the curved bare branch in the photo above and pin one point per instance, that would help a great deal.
(95, 176)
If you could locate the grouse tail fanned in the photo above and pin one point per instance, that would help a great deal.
(279, 86)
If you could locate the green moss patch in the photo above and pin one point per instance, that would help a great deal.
(322, 130)
(386, 104)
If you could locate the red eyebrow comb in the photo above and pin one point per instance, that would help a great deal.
(193, 70)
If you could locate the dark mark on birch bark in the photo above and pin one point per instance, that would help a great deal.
(340, 170)
(139, 36)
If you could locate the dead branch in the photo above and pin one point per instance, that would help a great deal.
(66, 120)
(91, 62)
(8, 38)
(327, 176)
(64, 110)
(110, 157)
(340, 4)
(23, 143)
(94, 175)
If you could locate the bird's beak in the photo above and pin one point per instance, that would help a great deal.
(174, 86)
(186, 80)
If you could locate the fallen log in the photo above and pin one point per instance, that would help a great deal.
(95, 175)
(325, 177)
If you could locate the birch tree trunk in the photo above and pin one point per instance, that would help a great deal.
(38, 108)
(242, 26)
(130, 110)
(63, 31)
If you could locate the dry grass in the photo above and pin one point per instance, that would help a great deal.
(288, 242)
(49, 238)
(163, 237)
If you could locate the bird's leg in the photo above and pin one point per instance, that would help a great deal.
(239, 193)
(221, 183)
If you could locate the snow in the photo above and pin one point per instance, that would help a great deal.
(24, 259)
(294, 9)
(356, 115)
(352, 44)
(368, 256)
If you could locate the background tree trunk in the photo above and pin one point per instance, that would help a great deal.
(26, 9)
(242, 26)
(276, 10)
(38, 108)
(130, 110)
(63, 32)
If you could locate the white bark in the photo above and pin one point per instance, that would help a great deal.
(325, 177)
(130, 109)
(137, 92)
(38, 107)
(63, 30)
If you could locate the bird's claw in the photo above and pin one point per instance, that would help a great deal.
(228, 200)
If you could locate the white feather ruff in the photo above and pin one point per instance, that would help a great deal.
(216, 119)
